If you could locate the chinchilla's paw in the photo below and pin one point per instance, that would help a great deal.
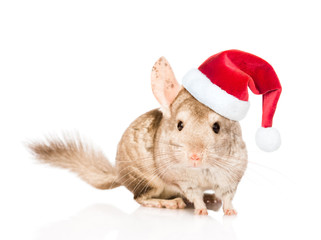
(202, 211)
(230, 212)
(176, 203)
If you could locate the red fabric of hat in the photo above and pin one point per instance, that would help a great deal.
(222, 82)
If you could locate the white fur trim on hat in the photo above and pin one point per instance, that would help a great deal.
(268, 139)
(214, 97)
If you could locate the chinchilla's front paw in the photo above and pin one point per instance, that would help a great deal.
(230, 212)
(202, 211)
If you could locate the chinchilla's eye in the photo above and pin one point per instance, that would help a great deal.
(216, 127)
(180, 126)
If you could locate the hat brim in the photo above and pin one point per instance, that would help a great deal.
(211, 95)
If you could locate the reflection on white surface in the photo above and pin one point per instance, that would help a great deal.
(102, 221)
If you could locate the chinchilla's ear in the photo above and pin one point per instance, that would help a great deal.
(164, 85)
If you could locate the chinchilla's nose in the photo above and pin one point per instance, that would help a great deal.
(195, 157)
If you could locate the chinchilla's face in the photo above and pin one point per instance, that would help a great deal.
(199, 137)
(192, 135)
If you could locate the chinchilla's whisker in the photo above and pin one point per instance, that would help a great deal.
(152, 174)
(134, 168)
(232, 173)
(251, 169)
(171, 144)
(213, 152)
(157, 154)
(147, 164)
(163, 142)
(159, 175)
(147, 172)
(270, 169)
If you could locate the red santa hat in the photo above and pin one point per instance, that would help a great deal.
(222, 82)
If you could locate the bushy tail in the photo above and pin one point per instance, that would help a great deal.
(71, 153)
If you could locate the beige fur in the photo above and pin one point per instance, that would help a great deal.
(71, 153)
(153, 158)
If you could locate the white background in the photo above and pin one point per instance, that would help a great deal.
(85, 66)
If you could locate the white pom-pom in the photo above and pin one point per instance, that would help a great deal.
(268, 139)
